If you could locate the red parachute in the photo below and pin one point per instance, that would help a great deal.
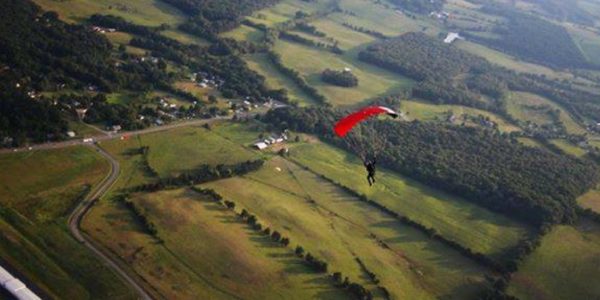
(363, 139)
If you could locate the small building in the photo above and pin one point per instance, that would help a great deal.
(116, 128)
(346, 69)
(260, 146)
(451, 37)
(71, 134)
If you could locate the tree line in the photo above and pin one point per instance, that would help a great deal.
(488, 168)
(339, 78)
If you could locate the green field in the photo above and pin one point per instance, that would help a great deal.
(286, 10)
(508, 61)
(379, 18)
(565, 266)
(347, 38)
(275, 79)
(591, 200)
(568, 148)
(454, 218)
(337, 227)
(208, 253)
(143, 12)
(517, 103)
(38, 189)
(184, 38)
(310, 62)
(419, 110)
(588, 42)
(245, 33)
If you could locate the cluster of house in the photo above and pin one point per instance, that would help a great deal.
(271, 140)
(205, 80)
(16, 287)
(102, 29)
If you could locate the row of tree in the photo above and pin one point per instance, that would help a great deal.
(340, 78)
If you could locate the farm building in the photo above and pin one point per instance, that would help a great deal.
(452, 36)
(260, 146)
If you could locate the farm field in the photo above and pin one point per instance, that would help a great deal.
(38, 189)
(347, 38)
(241, 264)
(275, 79)
(562, 266)
(311, 62)
(339, 228)
(184, 38)
(517, 103)
(454, 218)
(419, 110)
(588, 42)
(286, 10)
(142, 12)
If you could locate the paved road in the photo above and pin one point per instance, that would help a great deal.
(110, 136)
(82, 209)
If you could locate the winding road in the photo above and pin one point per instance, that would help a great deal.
(83, 207)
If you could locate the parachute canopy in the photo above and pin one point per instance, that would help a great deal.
(343, 126)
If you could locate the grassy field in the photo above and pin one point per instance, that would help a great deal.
(185, 38)
(286, 10)
(142, 12)
(508, 61)
(563, 267)
(517, 103)
(337, 227)
(591, 200)
(310, 62)
(379, 18)
(588, 42)
(275, 79)
(245, 33)
(347, 38)
(208, 253)
(418, 110)
(454, 218)
(38, 189)
(568, 148)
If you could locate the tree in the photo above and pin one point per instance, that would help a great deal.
(299, 250)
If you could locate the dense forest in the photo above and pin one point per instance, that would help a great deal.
(534, 39)
(529, 184)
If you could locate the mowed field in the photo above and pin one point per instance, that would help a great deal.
(275, 79)
(454, 218)
(311, 62)
(565, 266)
(420, 110)
(38, 190)
(142, 12)
(339, 228)
(207, 253)
(517, 103)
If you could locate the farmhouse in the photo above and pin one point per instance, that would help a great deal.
(260, 146)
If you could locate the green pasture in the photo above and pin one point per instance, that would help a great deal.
(142, 12)
(454, 218)
(337, 227)
(563, 267)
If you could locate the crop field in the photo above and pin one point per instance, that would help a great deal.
(142, 12)
(275, 79)
(38, 189)
(454, 218)
(339, 228)
(206, 252)
(418, 110)
(563, 267)
(310, 62)
(591, 200)
(517, 104)
(286, 10)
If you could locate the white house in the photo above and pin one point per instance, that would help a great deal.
(452, 36)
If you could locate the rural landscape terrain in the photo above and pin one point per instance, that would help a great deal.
(184, 149)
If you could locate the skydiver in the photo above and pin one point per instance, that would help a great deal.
(370, 166)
